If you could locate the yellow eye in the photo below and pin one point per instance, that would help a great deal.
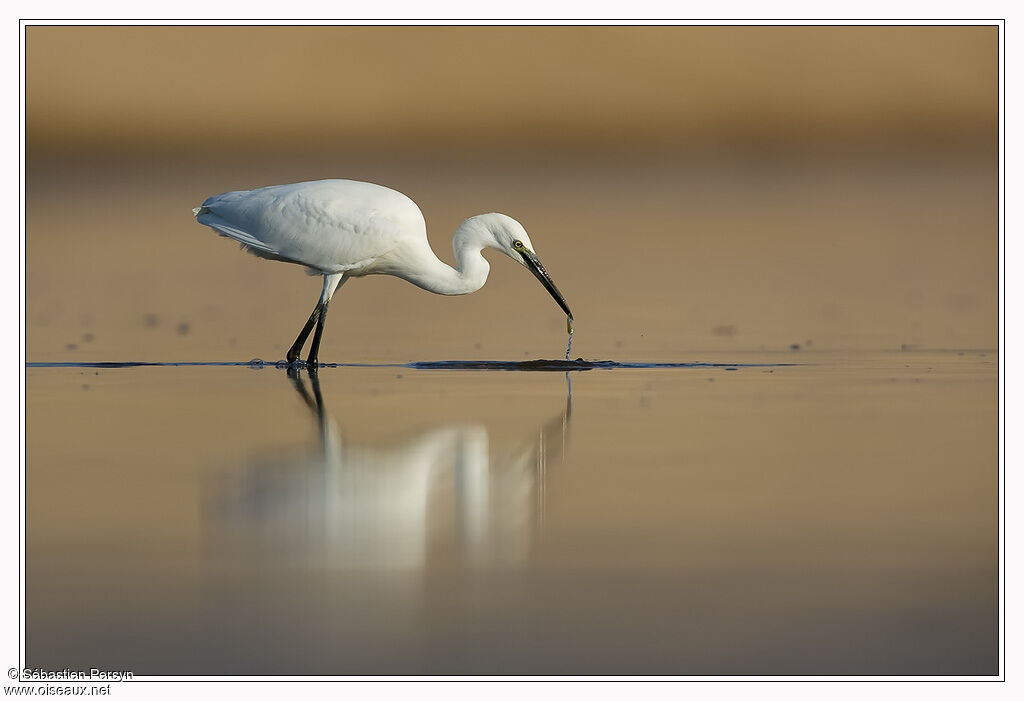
(518, 244)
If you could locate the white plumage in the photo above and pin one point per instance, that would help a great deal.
(346, 228)
(330, 226)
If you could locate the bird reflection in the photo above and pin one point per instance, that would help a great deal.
(346, 504)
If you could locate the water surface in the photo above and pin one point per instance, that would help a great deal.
(836, 516)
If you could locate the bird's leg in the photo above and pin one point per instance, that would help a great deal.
(296, 349)
(331, 283)
(312, 361)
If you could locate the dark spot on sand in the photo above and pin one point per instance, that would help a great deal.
(151, 320)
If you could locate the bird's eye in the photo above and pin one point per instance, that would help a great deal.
(518, 244)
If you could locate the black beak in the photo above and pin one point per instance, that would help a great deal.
(538, 270)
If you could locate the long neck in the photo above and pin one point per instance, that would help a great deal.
(434, 275)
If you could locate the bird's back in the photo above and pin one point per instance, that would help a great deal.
(330, 226)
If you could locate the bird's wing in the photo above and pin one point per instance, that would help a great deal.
(328, 225)
(208, 218)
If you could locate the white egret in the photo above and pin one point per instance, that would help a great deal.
(345, 228)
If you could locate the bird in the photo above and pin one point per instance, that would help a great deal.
(342, 229)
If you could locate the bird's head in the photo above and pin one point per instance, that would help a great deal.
(505, 234)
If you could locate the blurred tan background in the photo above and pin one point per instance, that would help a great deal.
(723, 194)
(691, 189)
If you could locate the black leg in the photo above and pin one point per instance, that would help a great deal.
(314, 402)
(314, 381)
(296, 349)
(312, 362)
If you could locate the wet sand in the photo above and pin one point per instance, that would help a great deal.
(657, 260)
(832, 517)
(737, 515)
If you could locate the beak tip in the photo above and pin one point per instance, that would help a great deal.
(541, 274)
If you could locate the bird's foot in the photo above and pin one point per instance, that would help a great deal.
(292, 363)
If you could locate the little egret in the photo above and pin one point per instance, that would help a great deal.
(345, 228)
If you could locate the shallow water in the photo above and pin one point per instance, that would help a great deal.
(743, 513)
(539, 365)
(733, 481)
